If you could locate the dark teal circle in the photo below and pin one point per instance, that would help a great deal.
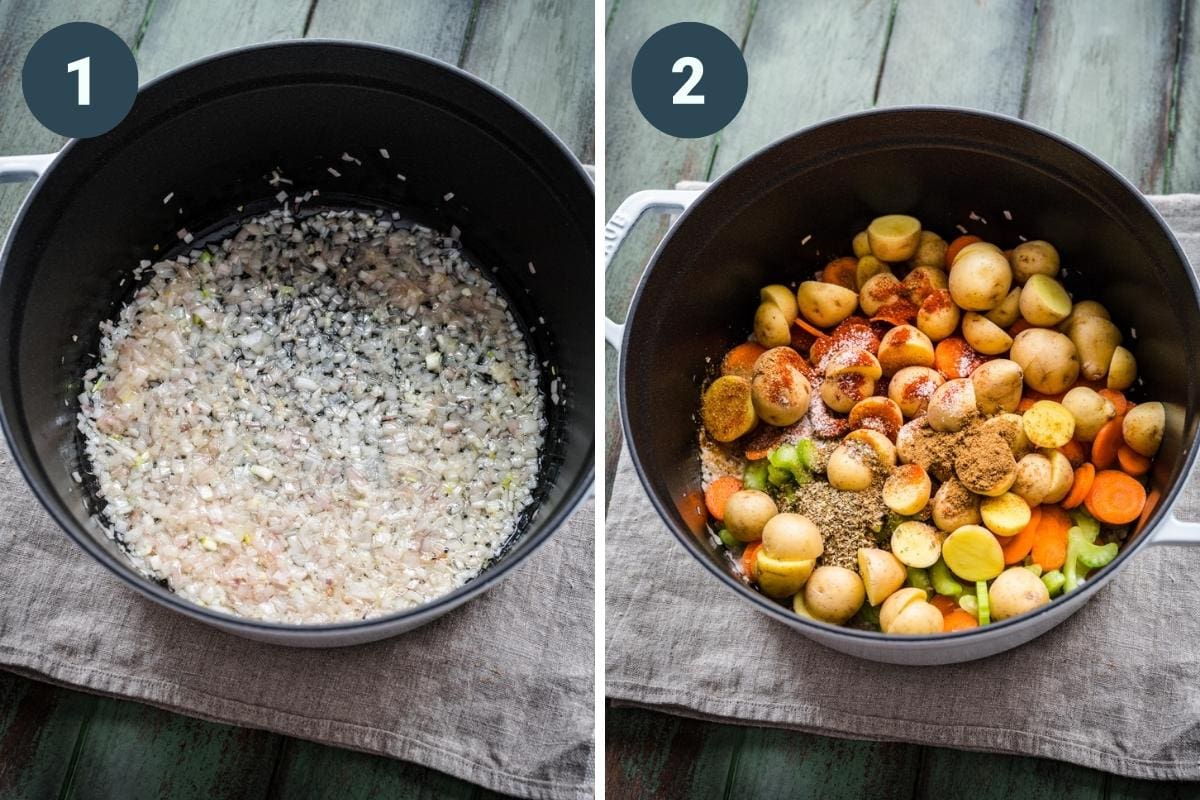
(52, 93)
(723, 81)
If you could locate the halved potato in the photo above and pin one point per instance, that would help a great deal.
(1048, 424)
(878, 443)
(938, 315)
(894, 237)
(1034, 479)
(1096, 340)
(1122, 370)
(916, 544)
(1044, 301)
(727, 408)
(881, 572)
(861, 245)
(904, 346)
(972, 553)
(906, 491)
(772, 328)
(825, 304)
(917, 619)
(952, 405)
(880, 290)
(922, 282)
(849, 469)
(1062, 476)
(783, 297)
(842, 392)
(747, 512)
(1048, 360)
(911, 388)
(1009, 309)
(792, 537)
(985, 336)
(897, 602)
(1006, 515)
(878, 414)
(868, 267)
(954, 505)
(931, 251)
(1090, 409)
(1144, 426)
(998, 386)
(833, 594)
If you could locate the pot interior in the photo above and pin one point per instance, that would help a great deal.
(197, 152)
(784, 213)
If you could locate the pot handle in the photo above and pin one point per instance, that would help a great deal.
(18, 169)
(622, 222)
(1177, 531)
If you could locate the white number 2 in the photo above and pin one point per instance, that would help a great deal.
(684, 96)
(84, 67)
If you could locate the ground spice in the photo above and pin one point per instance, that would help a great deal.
(918, 443)
(780, 375)
(984, 460)
(847, 520)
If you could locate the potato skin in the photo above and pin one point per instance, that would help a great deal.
(904, 346)
(1008, 311)
(1034, 258)
(985, 336)
(954, 506)
(834, 594)
(727, 408)
(980, 279)
(931, 251)
(1048, 360)
(1090, 410)
(894, 237)
(772, 328)
(825, 304)
(880, 290)
(747, 512)
(1096, 340)
(952, 405)
(911, 388)
(1034, 480)
(938, 315)
(1016, 591)
(1122, 370)
(779, 389)
(998, 386)
(1144, 426)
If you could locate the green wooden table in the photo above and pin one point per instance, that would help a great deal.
(61, 743)
(1120, 77)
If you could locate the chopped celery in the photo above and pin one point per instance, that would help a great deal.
(943, 580)
(807, 452)
(1082, 551)
(867, 617)
(777, 476)
(982, 603)
(727, 539)
(1054, 581)
(919, 578)
(755, 476)
(1036, 569)
(787, 458)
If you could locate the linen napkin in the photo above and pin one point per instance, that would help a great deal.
(1115, 687)
(498, 692)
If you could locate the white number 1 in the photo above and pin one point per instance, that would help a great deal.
(684, 96)
(84, 67)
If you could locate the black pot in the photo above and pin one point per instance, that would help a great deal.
(782, 213)
(208, 135)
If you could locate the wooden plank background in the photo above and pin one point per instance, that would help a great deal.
(1122, 77)
(57, 742)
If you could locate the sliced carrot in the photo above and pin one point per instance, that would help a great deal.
(1019, 546)
(740, 360)
(898, 312)
(1018, 326)
(1025, 404)
(1108, 441)
(1075, 452)
(718, 493)
(954, 358)
(804, 326)
(1151, 504)
(955, 246)
(1117, 399)
(958, 620)
(1050, 542)
(944, 604)
(843, 272)
(1084, 475)
(1133, 462)
(1115, 498)
(750, 558)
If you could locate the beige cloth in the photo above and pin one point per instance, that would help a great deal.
(498, 692)
(1115, 687)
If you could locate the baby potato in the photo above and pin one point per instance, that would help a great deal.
(980, 279)
(1011, 428)
(916, 544)
(747, 513)
(998, 385)
(1084, 308)
(897, 602)
(1006, 515)
(1034, 258)
(833, 594)
(906, 491)
(825, 304)
(977, 247)
(853, 362)
(1033, 481)
(922, 282)
(1143, 427)
(879, 290)
(843, 392)
(1062, 476)
(783, 297)
(1015, 591)
(868, 267)
(985, 336)
(972, 553)
(931, 252)
(1048, 424)
(938, 315)
(1090, 409)
(1044, 301)
(1096, 340)
(1048, 360)
(792, 537)
(772, 328)
(882, 574)
(779, 578)
(894, 237)
(1122, 370)
(918, 619)
(952, 405)
(911, 388)
(727, 408)
(1009, 309)
(780, 390)
(954, 505)
(878, 414)
(904, 346)
(861, 245)
(879, 445)
(848, 469)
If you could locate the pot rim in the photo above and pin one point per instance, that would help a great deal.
(407, 619)
(822, 629)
